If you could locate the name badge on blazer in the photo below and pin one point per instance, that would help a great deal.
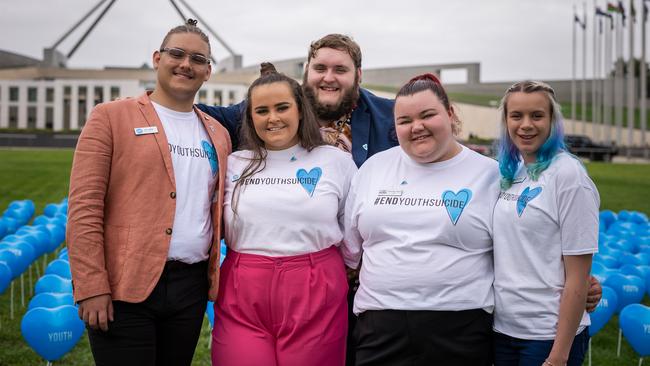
(145, 130)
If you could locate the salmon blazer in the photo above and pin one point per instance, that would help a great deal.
(123, 198)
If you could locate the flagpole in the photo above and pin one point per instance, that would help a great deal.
(595, 123)
(573, 73)
(584, 71)
(607, 97)
(594, 106)
(602, 72)
(618, 80)
(630, 84)
(643, 81)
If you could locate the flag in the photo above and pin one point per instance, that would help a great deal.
(613, 8)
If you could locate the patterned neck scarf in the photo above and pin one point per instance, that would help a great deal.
(339, 133)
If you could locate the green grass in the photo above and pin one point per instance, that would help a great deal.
(42, 176)
(622, 186)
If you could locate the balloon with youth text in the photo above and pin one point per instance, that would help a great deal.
(52, 332)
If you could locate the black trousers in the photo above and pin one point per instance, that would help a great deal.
(414, 338)
(163, 329)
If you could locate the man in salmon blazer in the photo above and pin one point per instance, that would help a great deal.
(144, 221)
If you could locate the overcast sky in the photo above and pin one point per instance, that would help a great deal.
(512, 39)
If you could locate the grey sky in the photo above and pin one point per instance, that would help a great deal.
(513, 39)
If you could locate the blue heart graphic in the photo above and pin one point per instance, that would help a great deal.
(212, 156)
(455, 203)
(308, 181)
(526, 196)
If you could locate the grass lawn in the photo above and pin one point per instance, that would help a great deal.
(42, 176)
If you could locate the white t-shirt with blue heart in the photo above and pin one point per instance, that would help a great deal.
(195, 164)
(424, 232)
(293, 206)
(535, 224)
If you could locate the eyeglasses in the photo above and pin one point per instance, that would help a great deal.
(179, 54)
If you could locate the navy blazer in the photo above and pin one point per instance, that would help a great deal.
(372, 124)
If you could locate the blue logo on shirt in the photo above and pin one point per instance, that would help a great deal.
(212, 156)
(526, 196)
(308, 181)
(455, 203)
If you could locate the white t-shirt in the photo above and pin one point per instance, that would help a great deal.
(535, 224)
(294, 206)
(194, 159)
(424, 231)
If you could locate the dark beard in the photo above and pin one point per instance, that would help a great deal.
(327, 112)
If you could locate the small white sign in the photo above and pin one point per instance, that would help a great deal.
(145, 130)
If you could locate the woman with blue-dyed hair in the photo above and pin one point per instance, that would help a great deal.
(545, 230)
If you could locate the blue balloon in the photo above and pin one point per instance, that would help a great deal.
(64, 256)
(8, 257)
(623, 215)
(29, 204)
(11, 238)
(607, 260)
(38, 239)
(11, 223)
(629, 289)
(42, 220)
(209, 311)
(5, 276)
(52, 332)
(604, 238)
(50, 300)
(635, 259)
(53, 283)
(644, 248)
(24, 255)
(607, 217)
(3, 228)
(60, 219)
(635, 323)
(604, 311)
(638, 217)
(632, 270)
(63, 208)
(51, 209)
(224, 249)
(60, 268)
(22, 216)
(57, 234)
(601, 272)
(16, 204)
(624, 245)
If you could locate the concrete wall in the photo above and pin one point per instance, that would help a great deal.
(484, 122)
